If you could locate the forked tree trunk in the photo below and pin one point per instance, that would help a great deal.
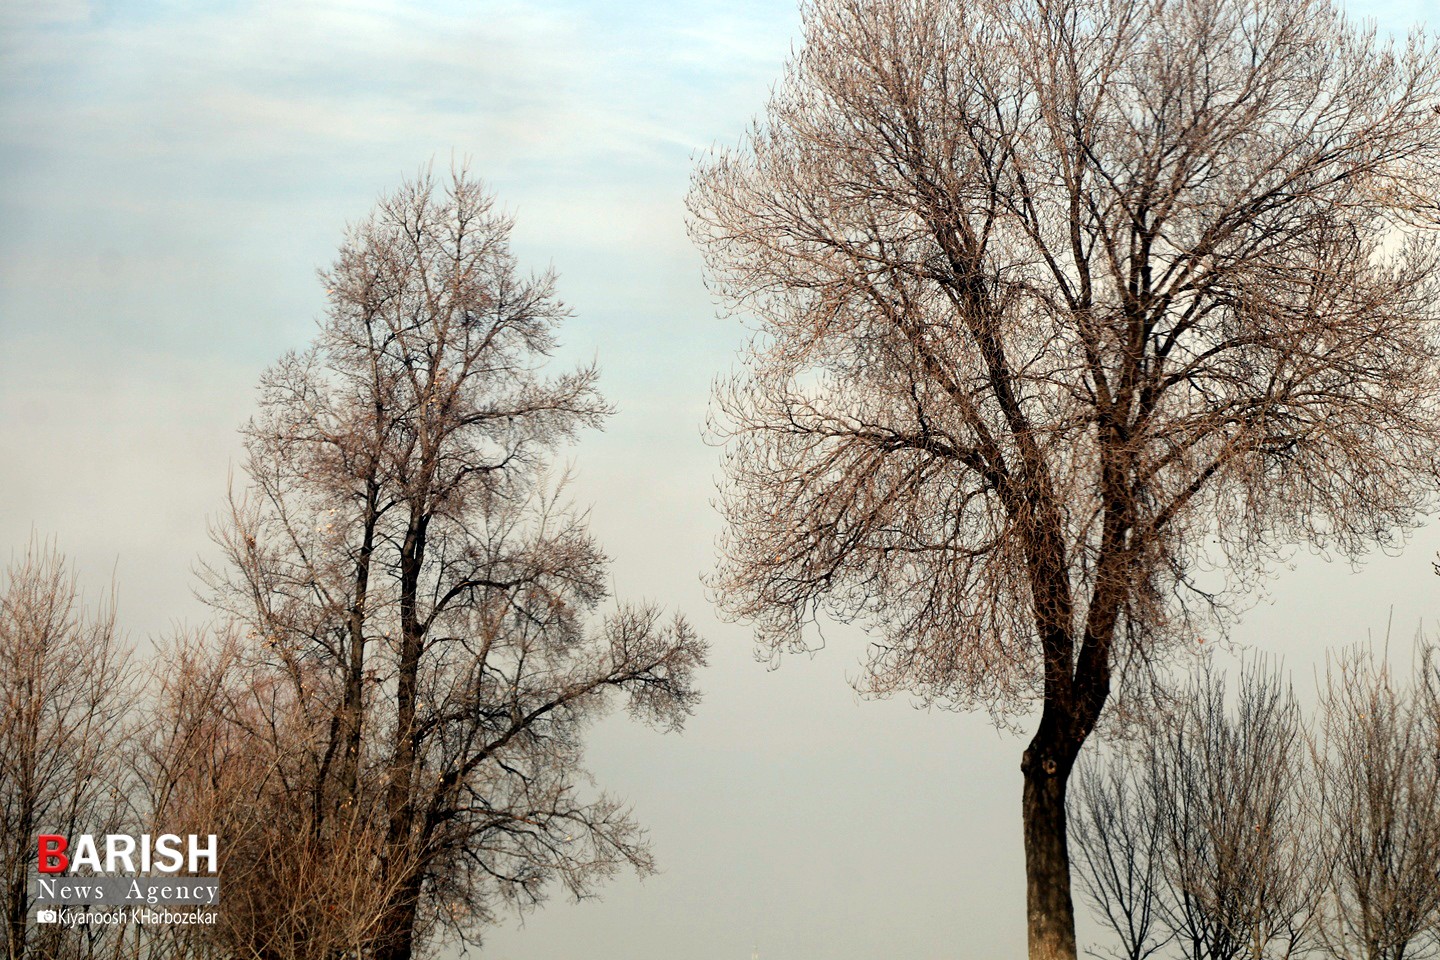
(1050, 911)
(399, 924)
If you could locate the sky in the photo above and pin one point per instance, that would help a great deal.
(171, 177)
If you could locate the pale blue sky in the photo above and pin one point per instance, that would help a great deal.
(171, 175)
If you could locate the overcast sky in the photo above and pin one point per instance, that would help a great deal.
(171, 176)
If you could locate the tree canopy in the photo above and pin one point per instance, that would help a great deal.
(1070, 318)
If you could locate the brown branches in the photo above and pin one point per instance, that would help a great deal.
(418, 609)
(1153, 283)
(912, 225)
(66, 689)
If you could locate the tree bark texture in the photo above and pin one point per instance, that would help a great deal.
(1051, 912)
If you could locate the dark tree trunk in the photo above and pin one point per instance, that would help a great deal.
(398, 941)
(19, 881)
(15, 921)
(1051, 912)
(352, 709)
(399, 924)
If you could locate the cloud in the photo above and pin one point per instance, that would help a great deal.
(30, 13)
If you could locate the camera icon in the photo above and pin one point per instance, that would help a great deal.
(47, 916)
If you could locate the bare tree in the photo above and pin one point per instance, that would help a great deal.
(1201, 834)
(1239, 845)
(65, 687)
(1058, 305)
(418, 604)
(1116, 834)
(1378, 760)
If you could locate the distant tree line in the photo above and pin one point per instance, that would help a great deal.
(1227, 827)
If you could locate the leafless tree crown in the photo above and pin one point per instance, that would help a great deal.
(66, 692)
(1058, 305)
(416, 606)
(1070, 316)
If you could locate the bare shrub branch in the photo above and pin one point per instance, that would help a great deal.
(1378, 762)
(1201, 834)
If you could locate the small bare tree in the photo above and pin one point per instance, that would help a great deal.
(1059, 304)
(65, 688)
(1201, 834)
(1239, 846)
(1116, 835)
(1378, 760)
(418, 605)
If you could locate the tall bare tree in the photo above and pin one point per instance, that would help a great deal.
(65, 690)
(420, 606)
(1058, 304)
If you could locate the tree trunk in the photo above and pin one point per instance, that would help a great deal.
(399, 924)
(15, 921)
(19, 880)
(398, 939)
(353, 706)
(1051, 912)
